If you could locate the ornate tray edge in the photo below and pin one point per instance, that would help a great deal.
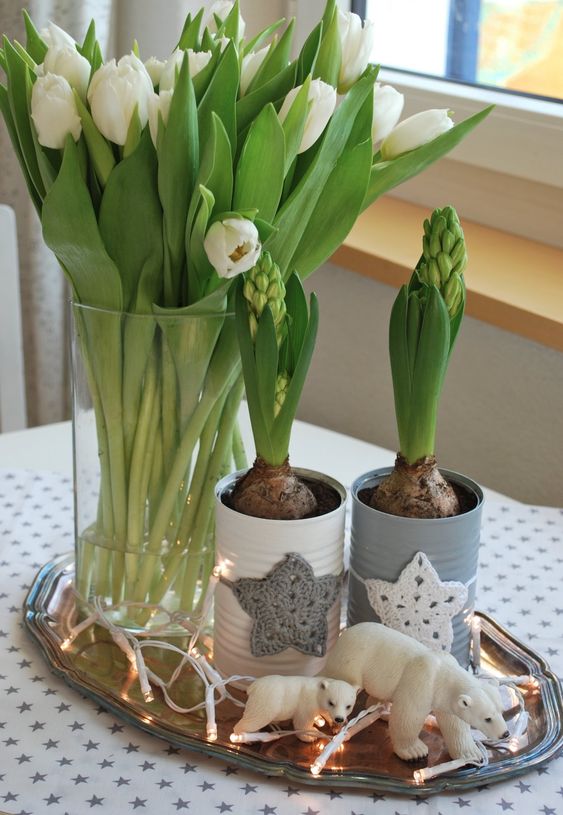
(461, 780)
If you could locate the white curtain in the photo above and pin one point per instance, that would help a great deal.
(43, 290)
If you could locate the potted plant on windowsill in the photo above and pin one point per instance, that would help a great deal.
(280, 530)
(415, 526)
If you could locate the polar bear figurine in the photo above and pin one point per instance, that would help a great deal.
(393, 667)
(301, 698)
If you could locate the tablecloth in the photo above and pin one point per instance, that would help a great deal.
(60, 753)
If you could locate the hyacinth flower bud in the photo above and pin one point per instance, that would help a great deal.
(443, 248)
(264, 286)
(282, 384)
(453, 293)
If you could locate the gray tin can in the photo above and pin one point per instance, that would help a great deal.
(382, 545)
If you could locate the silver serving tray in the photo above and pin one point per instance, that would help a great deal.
(95, 666)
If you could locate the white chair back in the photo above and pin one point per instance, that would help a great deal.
(13, 414)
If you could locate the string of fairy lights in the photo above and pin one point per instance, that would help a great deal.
(216, 686)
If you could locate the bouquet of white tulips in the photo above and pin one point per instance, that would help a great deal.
(156, 184)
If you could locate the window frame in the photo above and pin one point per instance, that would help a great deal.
(521, 140)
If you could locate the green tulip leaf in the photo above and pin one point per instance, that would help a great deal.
(190, 35)
(329, 58)
(294, 124)
(178, 160)
(220, 97)
(17, 73)
(277, 59)
(67, 213)
(309, 54)
(260, 170)
(36, 46)
(249, 107)
(261, 38)
(293, 218)
(130, 224)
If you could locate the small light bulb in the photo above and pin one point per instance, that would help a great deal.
(235, 738)
(319, 721)
(148, 696)
(418, 777)
(66, 644)
(316, 768)
(514, 744)
(212, 733)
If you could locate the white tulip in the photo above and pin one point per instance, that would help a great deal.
(55, 37)
(197, 60)
(69, 63)
(232, 246)
(322, 102)
(159, 104)
(387, 108)
(154, 68)
(414, 132)
(53, 110)
(356, 42)
(221, 9)
(250, 65)
(114, 93)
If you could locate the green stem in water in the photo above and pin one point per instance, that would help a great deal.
(204, 514)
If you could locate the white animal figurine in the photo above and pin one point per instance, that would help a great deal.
(393, 667)
(301, 698)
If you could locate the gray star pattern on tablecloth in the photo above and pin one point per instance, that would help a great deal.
(288, 607)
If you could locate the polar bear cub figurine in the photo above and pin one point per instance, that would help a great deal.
(394, 667)
(300, 698)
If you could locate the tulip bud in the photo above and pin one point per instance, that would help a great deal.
(159, 106)
(356, 42)
(387, 108)
(115, 91)
(322, 102)
(232, 246)
(282, 385)
(63, 59)
(250, 65)
(264, 286)
(414, 132)
(55, 37)
(54, 112)
(197, 60)
(154, 68)
(221, 9)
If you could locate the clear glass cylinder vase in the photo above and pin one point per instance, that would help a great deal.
(155, 404)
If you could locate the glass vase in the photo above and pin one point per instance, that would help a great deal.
(155, 404)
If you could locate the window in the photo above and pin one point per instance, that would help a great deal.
(510, 44)
(509, 173)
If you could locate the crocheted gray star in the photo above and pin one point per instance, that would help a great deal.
(289, 607)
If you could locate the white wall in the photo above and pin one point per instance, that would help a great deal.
(501, 416)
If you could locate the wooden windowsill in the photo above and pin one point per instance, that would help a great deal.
(512, 282)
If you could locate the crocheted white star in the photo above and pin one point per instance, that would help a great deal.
(419, 603)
